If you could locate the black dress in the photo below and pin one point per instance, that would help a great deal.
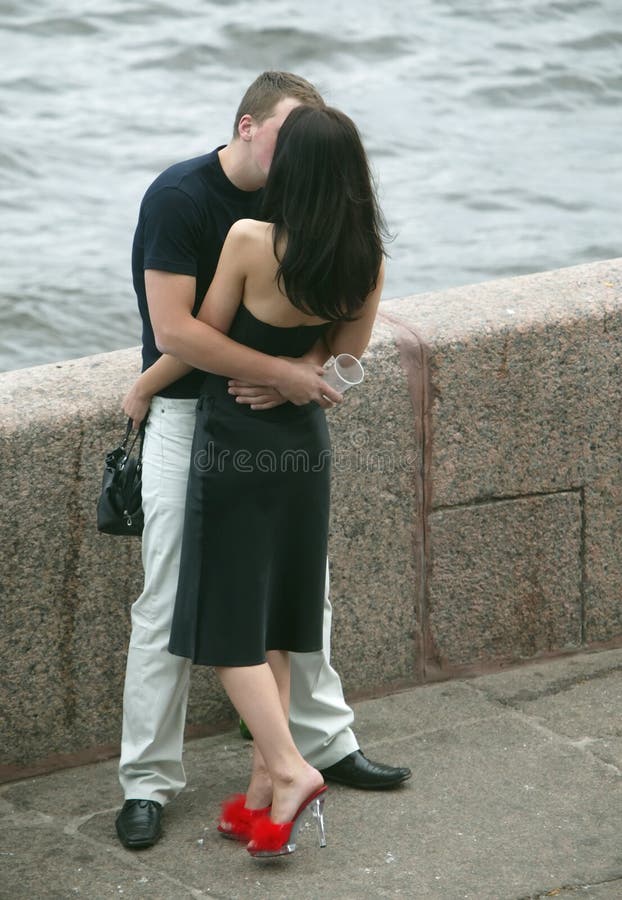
(253, 559)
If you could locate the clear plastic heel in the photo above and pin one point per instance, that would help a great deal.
(317, 811)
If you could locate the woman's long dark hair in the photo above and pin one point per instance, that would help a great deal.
(320, 198)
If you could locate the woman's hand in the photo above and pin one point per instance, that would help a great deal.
(257, 396)
(136, 404)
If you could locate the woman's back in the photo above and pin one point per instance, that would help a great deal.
(261, 294)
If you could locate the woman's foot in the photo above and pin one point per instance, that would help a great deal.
(269, 838)
(236, 820)
(291, 791)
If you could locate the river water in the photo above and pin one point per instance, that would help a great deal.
(494, 128)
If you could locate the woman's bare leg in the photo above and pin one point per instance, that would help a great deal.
(259, 791)
(260, 699)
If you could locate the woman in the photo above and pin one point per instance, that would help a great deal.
(253, 562)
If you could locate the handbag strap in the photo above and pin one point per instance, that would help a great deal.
(139, 433)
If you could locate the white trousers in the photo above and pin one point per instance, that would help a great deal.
(156, 682)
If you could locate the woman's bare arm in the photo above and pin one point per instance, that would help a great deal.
(165, 371)
(353, 337)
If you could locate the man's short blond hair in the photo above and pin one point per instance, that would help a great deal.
(271, 87)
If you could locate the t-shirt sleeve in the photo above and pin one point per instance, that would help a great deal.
(171, 232)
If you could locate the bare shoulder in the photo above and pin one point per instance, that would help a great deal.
(249, 231)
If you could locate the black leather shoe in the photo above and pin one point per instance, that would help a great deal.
(357, 771)
(138, 823)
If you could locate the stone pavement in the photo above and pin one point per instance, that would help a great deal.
(516, 794)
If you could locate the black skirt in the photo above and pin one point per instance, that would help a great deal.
(253, 560)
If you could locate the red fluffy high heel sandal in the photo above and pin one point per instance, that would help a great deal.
(270, 838)
(236, 820)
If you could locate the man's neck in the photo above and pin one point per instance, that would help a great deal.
(235, 164)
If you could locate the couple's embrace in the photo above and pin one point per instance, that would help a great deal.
(252, 266)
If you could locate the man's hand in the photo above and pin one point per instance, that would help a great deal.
(262, 396)
(302, 382)
(136, 405)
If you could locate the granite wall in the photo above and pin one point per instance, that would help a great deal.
(476, 518)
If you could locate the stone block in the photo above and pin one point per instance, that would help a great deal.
(526, 394)
(504, 580)
(373, 524)
(603, 558)
(524, 398)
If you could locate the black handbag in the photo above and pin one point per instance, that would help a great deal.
(119, 508)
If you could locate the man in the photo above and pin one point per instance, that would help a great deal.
(184, 219)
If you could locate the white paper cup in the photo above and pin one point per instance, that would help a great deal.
(345, 372)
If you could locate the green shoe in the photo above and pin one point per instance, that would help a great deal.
(244, 731)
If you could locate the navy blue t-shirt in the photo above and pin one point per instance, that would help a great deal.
(183, 222)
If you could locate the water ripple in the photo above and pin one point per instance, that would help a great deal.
(183, 59)
(601, 40)
(54, 27)
(306, 45)
(564, 90)
(142, 14)
(27, 84)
